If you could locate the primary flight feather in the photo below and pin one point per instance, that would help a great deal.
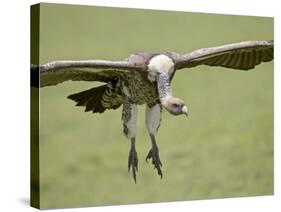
(144, 78)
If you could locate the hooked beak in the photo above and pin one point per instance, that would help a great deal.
(184, 110)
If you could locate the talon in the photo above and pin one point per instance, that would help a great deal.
(154, 155)
(149, 155)
(133, 163)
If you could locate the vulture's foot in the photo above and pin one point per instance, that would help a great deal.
(154, 155)
(133, 162)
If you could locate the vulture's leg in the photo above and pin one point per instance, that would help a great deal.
(153, 119)
(129, 117)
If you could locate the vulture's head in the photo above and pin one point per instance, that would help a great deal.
(175, 106)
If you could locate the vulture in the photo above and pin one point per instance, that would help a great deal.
(144, 78)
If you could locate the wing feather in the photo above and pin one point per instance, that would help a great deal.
(244, 55)
(56, 72)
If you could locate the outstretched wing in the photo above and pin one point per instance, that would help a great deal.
(56, 72)
(244, 55)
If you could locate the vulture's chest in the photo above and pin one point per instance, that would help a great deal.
(140, 89)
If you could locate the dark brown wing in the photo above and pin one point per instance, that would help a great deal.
(244, 55)
(98, 99)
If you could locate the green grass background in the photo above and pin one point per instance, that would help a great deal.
(223, 149)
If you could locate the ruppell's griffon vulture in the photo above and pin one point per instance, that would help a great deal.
(144, 78)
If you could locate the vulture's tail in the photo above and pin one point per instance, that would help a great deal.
(97, 99)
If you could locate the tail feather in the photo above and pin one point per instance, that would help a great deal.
(92, 99)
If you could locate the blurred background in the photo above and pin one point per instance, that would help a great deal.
(223, 149)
